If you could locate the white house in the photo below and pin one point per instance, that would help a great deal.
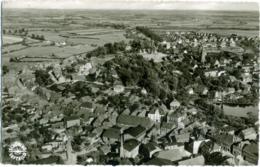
(249, 134)
(155, 114)
(212, 73)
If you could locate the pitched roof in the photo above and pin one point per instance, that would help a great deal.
(113, 133)
(182, 137)
(72, 118)
(135, 131)
(193, 161)
(158, 162)
(172, 155)
(168, 125)
(131, 144)
(132, 120)
(225, 139)
(151, 146)
(192, 110)
(155, 109)
(248, 131)
(87, 104)
(175, 103)
(251, 148)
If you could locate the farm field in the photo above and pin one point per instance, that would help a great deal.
(40, 51)
(98, 40)
(11, 39)
(13, 48)
(84, 30)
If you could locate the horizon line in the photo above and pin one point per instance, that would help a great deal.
(132, 5)
(138, 9)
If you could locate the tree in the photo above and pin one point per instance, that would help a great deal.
(136, 45)
(42, 77)
(41, 37)
(5, 69)
(110, 48)
(251, 117)
(216, 158)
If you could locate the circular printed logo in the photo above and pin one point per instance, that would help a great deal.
(17, 151)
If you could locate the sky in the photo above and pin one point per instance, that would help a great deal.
(231, 5)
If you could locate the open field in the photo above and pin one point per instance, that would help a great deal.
(93, 31)
(13, 48)
(40, 51)
(84, 30)
(11, 39)
(78, 20)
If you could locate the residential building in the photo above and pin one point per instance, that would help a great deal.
(248, 133)
(211, 73)
(167, 127)
(72, 121)
(111, 135)
(250, 153)
(87, 106)
(137, 133)
(174, 104)
(194, 146)
(176, 117)
(182, 138)
(225, 141)
(156, 114)
(132, 121)
(149, 149)
(237, 148)
(129, 148)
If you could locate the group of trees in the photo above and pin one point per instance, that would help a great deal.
(76, 142)
(143, 45)
(135, 70)
(215, 116)
(149, 33)
(43, 78)
(108, 48)
(38, 37)
(20, 31)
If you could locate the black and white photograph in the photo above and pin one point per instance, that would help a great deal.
(128, 82)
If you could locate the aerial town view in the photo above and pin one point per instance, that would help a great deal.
(130, 87)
